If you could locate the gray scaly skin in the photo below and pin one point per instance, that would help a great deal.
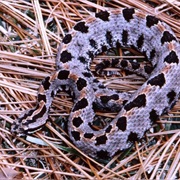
(128, 28)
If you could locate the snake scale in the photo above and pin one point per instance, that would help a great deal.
(126, 27)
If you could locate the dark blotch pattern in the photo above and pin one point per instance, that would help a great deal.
(171, 95)
(158, 80)
(118, 44)
(103, 15)
(92, 42)
(125, 37)
(151, 21)
(77, 121)
(46, 84)
(81, 83)
(132, 137)
(135, 65)
(148, 69)
(65, 56)
(124, 63)
(109, 38)
(39, 115)
(82, 59)
(87, 74)
(140, 41)
(167, 37)
(90, 54)
(102, 154)
(101, 140)
(80, 26)
(114, 97)
(76, 135)
(63, 74)
(80, 104)
(29, 113)
(104, 48)
(108, 129)
(67, 39)
(124, 102)
(171, 58)
(122, 123)
(128, 14)
(105, 99)
(140, 101)
(152, 54)
(153, 116)
(41, 97)
(52, 94)
(88, 135)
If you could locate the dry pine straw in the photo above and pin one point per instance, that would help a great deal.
(29, 36)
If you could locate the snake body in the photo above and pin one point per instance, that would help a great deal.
(121, 27)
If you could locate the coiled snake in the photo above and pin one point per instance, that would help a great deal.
(121, 27)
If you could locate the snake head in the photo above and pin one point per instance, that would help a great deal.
(19, 129)
(30, 121)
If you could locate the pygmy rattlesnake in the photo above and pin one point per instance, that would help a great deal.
(128, 28)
